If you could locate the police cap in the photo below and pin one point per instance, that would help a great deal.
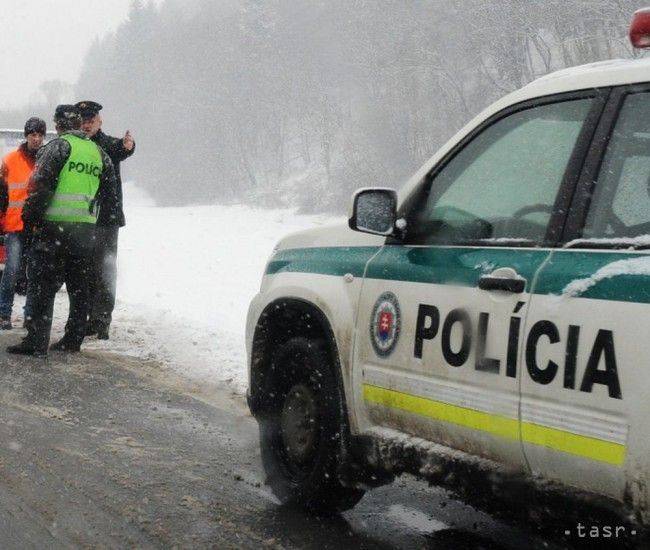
(66, 112)
(88, 109)
(35, 124)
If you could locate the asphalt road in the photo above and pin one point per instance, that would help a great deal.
(99, 451)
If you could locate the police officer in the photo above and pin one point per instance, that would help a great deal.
(70, 171)
(103, 285)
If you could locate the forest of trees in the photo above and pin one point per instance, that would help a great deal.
(281, 102)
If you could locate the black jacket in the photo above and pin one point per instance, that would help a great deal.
(114, 148)
(50, 160)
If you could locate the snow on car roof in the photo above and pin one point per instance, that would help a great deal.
(613, 72)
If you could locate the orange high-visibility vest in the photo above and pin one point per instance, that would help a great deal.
(19, 168)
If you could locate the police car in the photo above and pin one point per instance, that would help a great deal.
(490, 321)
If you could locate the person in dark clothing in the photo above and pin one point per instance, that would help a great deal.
(70, 172)
(103, 285)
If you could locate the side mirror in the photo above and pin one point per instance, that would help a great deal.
(374, 210)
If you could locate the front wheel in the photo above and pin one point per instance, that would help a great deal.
(301, 431)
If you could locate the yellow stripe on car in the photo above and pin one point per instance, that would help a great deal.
(552, 438)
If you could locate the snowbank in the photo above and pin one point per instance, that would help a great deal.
(186, 277)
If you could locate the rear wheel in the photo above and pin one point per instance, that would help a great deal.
(301, 431)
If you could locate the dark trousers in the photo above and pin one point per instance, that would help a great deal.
(51, 265)
(104, 281)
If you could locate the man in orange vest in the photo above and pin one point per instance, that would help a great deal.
(16, 169)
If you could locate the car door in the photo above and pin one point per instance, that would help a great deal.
(442, 310)
(585, 405)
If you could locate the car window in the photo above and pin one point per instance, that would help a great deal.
(620, 206)
(503, 184)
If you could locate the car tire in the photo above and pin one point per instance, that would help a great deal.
(301, 431)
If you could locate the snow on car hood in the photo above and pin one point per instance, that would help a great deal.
(338, 234)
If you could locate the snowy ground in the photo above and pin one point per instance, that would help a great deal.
(185, 278)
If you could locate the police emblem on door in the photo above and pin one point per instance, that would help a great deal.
(385, 324)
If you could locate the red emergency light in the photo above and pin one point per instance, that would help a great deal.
(640, 28)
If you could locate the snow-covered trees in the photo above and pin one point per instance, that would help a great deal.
(298, 103)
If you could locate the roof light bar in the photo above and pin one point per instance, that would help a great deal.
(640, 28)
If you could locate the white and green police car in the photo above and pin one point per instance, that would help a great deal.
(493, 319)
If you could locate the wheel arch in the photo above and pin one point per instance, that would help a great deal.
(282, 319)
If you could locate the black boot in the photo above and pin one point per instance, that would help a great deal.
(25, 348)
(65, 346)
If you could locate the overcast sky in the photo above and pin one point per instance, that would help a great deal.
(48, 39)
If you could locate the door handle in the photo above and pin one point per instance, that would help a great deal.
(516, 286)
